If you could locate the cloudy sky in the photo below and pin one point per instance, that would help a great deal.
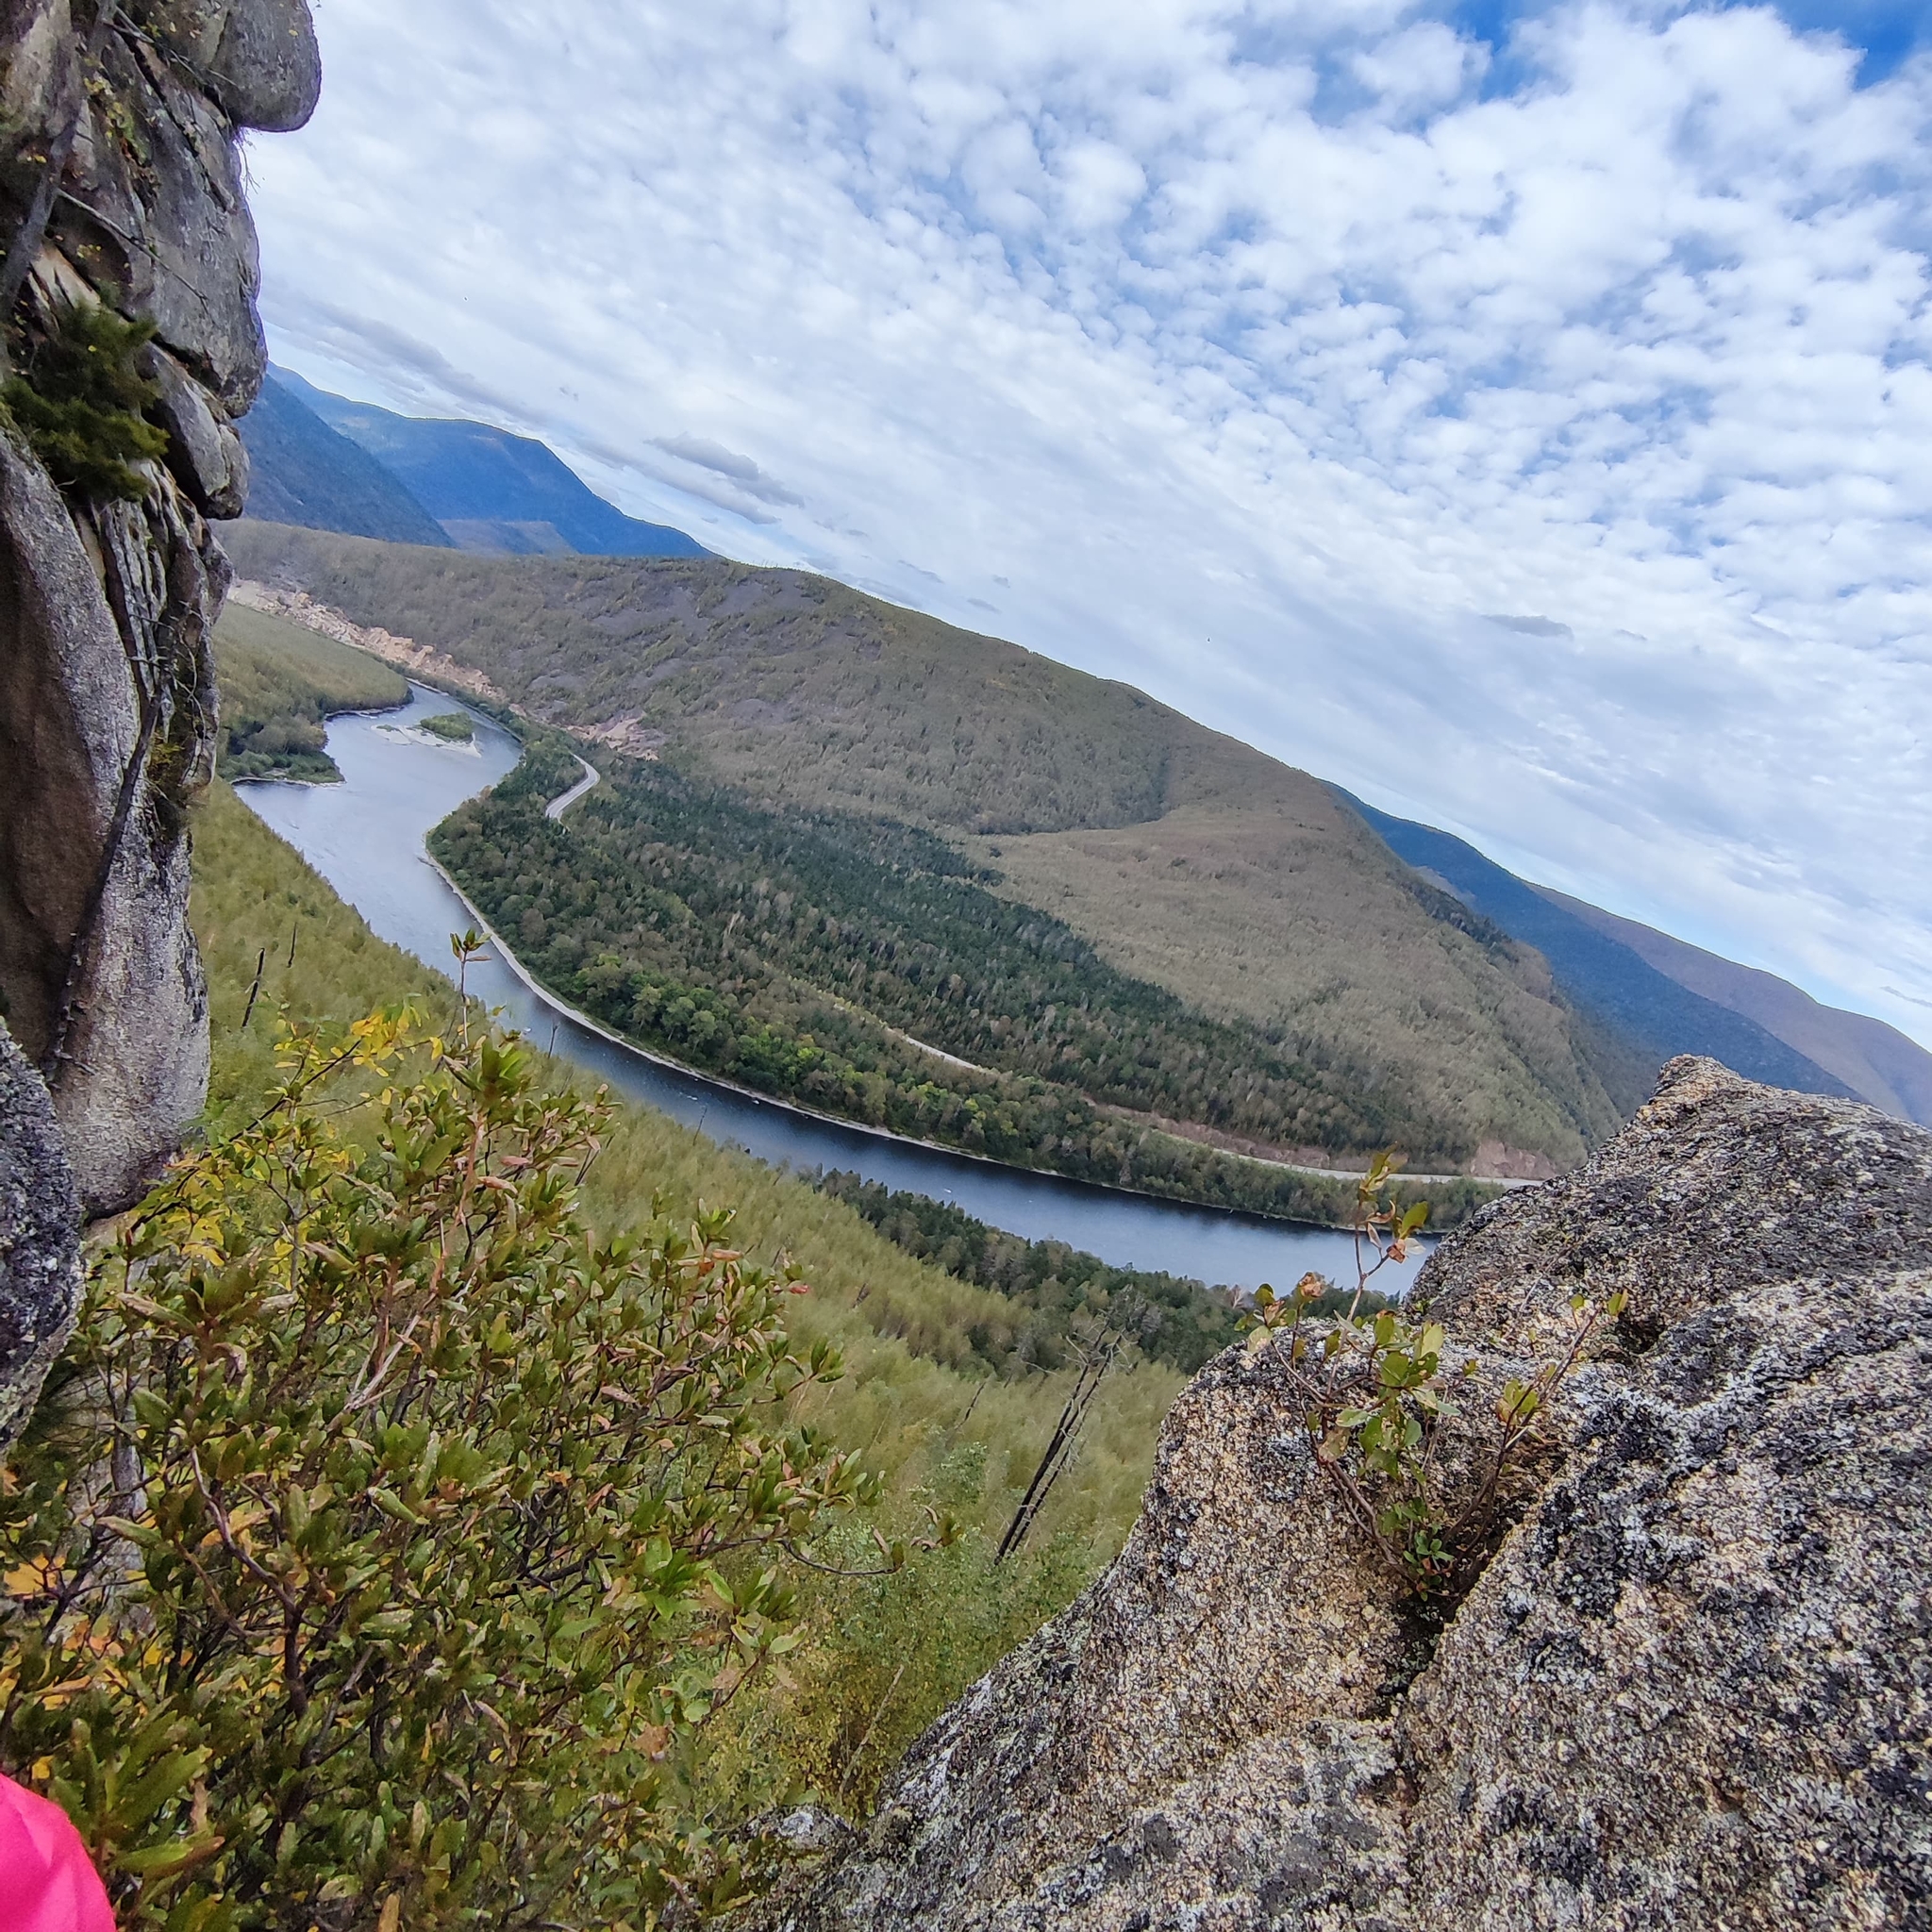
(1521, 415)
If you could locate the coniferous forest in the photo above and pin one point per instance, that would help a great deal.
(868, 969)
(1170, 1318)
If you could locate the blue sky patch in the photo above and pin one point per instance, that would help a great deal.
(1887, 31)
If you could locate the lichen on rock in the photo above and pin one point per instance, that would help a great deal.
(1692, 1687)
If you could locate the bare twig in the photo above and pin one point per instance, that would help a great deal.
(248, 1011)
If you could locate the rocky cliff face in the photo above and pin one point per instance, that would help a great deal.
(120, 190)
(1693, 1687)
(40, 1238)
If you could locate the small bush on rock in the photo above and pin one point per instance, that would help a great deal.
(429, 1531)
(1375, 1398)
(80, 404)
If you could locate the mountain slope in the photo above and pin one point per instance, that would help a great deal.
(1649, 1009)
(1283, 906)
(1277, 910)
(303, 472)
(491, 490)
(1876, 1061)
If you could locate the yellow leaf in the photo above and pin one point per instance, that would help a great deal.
(29, 1579)
(392, 1914)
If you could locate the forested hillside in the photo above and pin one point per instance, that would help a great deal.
(856, 966)
(1182, 858)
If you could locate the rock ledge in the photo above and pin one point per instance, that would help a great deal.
(1694, 1687)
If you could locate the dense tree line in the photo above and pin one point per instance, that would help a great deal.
(1172, 1317)
(854, 964)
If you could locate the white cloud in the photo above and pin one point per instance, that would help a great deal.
(1262, 325)
(1423, 67)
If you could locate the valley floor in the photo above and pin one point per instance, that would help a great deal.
(1173, 1129)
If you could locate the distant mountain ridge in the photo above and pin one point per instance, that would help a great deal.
(322, 462)
(303, 472)
(1876, 1061)
(1665, 997)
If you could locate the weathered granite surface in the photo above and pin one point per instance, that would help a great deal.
(40, 1238)
(1693, 1687)
(121, 183)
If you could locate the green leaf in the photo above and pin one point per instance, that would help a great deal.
(161, 1862)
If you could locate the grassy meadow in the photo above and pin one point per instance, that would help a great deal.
(882, 1655)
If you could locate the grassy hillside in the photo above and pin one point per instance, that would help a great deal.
(883, 1655)
(1182, 856)
(1280, 916)
(278, 683)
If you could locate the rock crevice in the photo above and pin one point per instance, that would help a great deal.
(40, 1238)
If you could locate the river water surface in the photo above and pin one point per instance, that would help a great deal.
(365, 837)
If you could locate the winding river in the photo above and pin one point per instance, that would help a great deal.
(365, 837)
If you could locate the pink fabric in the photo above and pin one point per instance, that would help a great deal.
(47, 1883)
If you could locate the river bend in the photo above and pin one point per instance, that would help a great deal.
(366, 838)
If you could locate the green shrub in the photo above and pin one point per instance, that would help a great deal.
(391, 1539)
(915, 1401)
(81, 400)
(1377, 1402)
(451, 725)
